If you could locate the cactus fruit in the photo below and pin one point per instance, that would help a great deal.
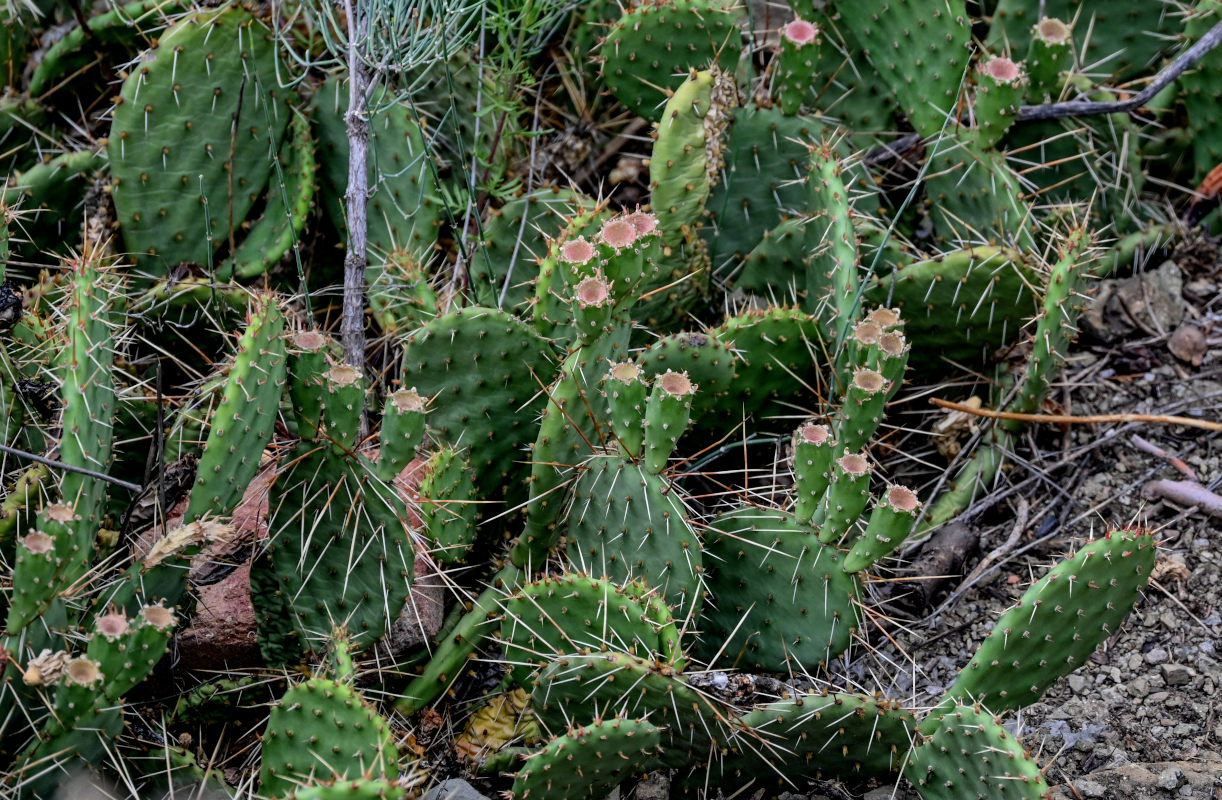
(624, 389)
(813, 449)
(778, 599)
(403, 425)
(963, 751)
(677, 35)
(847, 496)
(1058, 622)
(890, 522)
(796, 67)
(589, 761)
(1049, 54)
(174, 123)
(667, 414)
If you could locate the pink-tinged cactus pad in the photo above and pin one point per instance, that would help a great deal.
(593, 292)
(642, 222)
(892, 343)
(901, 498)
(159, 617)
(407, 400)
(854, 464)
(810, 433)
(1002, 70)
(618, 233)
(111, 626)
(83, 671)
(868, 380)
(676, 384)
(884, 317)
(1052, 31)
(38, 543)
(576, 251)
(624, 372)
(867, 332)
(800, 32)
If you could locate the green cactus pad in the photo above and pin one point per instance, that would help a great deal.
(905, 38)
(574, 613)
(627, 523)
(174, 122)
(763, 180)
(779, 351)
(710, 364)
(653, 45)
(448, 505)
(483, 370)
(109, 37)
(832, 277)
(1201, 90)
(985, 289)
(242, 425)
(679, 169)
(404, 419)
(579, 689)
(778, 599)
(289, 204)
(1058, 622)
(822, 737)
(963, 751)
(324, 730)
(571, 425)
(43, 188)
(588, 762)
(974, 194)
(87, 375)
(337, 553)
(514, 241)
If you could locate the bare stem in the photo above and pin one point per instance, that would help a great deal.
(357, 197)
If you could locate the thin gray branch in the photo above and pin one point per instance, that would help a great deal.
(50, 462)
(1082, 108)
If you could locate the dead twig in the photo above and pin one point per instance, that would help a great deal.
(1184, 493)
(1155, 450)
(1092, 419)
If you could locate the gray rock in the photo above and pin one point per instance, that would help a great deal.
(453, 789)
(1157, 656)
(1089, 788)
(654, 786)
(1077, 684)
(1170, 778)
(1177, 674)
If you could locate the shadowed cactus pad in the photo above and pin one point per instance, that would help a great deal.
(778, 599)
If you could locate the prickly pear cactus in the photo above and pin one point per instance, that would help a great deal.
(589, 761)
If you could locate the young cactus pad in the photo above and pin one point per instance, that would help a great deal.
(1058, 622)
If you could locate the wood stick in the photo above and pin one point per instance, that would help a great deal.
(1090, 419)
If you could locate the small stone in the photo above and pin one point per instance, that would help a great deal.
(654, 786)
(1077, 684)
(1177, 674)
(1157, 698)
(1170, 778)
(1139, 687)
(1089, 788)
(453, 789)
(1135, 662)
(1157, 656)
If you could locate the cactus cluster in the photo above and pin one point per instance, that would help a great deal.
(553, 373)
